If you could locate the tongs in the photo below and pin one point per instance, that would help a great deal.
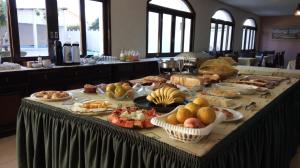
(265, 94)
(250, 106)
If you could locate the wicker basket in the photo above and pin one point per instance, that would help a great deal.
(187, 135)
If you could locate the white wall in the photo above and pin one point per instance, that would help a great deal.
(128, 24)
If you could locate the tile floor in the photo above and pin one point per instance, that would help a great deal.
(8, 154)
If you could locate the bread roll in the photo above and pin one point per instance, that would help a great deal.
(186, 80)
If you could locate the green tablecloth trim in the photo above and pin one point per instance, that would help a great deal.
(37, 121)
(51, 137)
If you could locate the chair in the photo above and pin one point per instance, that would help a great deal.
(272, 56)
(262, 56)
(281, 59)
(297, 66)
(276, 60)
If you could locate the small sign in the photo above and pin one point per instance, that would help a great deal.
(286, 33)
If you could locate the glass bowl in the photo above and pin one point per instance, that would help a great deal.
(128, 95)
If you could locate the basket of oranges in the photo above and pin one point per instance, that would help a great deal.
(191, 122)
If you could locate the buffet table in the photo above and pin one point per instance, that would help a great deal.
(50, 135)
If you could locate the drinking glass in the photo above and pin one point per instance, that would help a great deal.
(180, 64)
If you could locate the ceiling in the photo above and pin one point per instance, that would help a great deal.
(265, 7)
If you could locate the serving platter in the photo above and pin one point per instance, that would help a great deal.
(242, 88)
(77, 109)
(142, 102)
(236, 114)
(52, 99)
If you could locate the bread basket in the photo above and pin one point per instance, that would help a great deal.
(186, 135)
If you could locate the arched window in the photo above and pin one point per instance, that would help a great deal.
(221, 32)
(249, 33)
(170, 27)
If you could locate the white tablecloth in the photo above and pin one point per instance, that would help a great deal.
(246, 61)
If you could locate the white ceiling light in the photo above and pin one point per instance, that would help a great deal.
(297, 13)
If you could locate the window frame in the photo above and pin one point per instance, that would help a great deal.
(247, 30)
(53, 28)
(174, 13)
(218, 22)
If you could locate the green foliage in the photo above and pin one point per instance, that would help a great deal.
(73, 28)
(2, 13)
(95, 25)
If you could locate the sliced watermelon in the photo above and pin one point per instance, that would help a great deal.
(115, 118)
(139, 124)
(147, 124)
(128, 124)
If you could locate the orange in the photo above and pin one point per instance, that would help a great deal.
(171, 119)
(192, 107)
(200, 101)
(206, 115)
(183, 114)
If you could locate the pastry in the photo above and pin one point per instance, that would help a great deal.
(188, 81)
(40, 94)
(161, 85)
(191, 81)
(89, 88)
(155, 79)
(217, 66)
(51, 94)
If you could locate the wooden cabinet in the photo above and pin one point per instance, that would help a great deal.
(145, 68)
(10, 103)
(121, 72)
(16, 85)
(134, 70)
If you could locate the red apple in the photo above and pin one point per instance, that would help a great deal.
(193, 123)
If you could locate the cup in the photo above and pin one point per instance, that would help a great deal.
(46, 63)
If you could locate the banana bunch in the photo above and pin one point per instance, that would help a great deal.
(166, 96)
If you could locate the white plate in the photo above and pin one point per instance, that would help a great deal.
(236, 115)
(82, 111)
(51, 100)
(241, 88)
